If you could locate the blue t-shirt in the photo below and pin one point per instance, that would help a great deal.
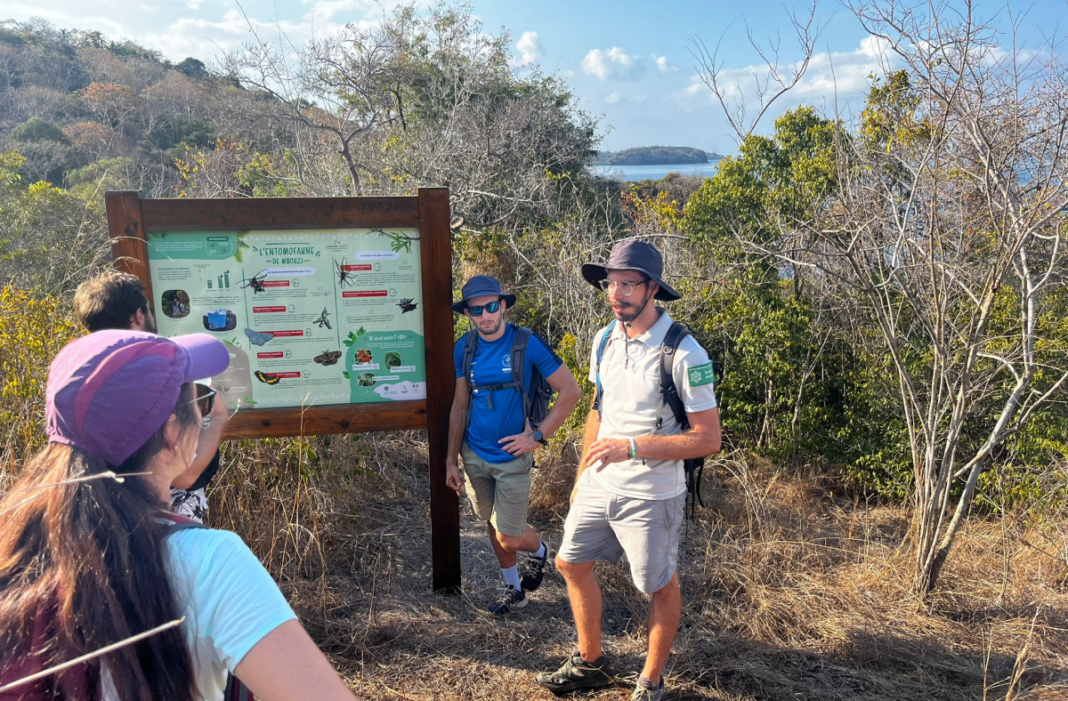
(492, 365)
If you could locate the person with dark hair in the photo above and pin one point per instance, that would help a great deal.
(630, 490)
(100, 579)
(494, 429)
(114, 300)
(117, 300)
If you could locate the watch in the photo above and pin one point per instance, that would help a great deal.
(539, 437)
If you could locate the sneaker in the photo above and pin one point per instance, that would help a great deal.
(510, 600)
(577, 673)
(645, 691)
(533, 571)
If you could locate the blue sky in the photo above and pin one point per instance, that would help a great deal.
(628, 62)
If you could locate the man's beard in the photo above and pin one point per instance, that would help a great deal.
(150, 324)
(630, 311)
(495, 329)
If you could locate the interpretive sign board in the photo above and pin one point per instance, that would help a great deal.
(310, 317)
(336, 313)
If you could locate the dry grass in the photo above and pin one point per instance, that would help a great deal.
(791, 592)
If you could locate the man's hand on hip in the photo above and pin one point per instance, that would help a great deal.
(520, 443)
(605, 451)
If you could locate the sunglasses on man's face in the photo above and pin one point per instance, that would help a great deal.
(492, 308)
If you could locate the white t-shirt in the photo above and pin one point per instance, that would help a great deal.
(229, 600)
(632, 402)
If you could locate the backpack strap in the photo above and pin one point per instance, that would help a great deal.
(600, 354)
(674, 337)
(519, 360)
(694, 468)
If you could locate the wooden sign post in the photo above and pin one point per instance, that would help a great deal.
(256, 272)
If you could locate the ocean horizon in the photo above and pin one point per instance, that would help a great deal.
(654, 171)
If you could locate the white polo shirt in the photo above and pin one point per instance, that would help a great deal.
(632, 402)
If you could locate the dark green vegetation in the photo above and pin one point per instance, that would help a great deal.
(655, 155)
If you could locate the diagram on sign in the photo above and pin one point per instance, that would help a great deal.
(309, 317)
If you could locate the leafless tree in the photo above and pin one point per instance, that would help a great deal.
(947, 237)
(766, 83)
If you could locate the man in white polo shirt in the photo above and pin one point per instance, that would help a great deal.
(630, 491)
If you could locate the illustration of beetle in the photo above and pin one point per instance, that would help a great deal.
(407, 305)
(256, 282)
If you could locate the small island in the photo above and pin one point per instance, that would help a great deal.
(655, 155)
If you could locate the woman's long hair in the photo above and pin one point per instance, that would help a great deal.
(92, 555)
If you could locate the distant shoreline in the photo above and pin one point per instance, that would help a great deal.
(655, 156)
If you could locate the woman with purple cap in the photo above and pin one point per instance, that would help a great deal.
(104, 594)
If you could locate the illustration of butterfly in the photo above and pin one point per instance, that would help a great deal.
(265, 378)
(258, 338)
(407, 305)
(327, 357)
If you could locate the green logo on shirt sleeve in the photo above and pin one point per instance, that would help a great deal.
(701, 375)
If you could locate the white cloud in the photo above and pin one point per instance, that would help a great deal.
(830, 74)
(529, 48)
(614, 64)
(613, 98)
(663, 65)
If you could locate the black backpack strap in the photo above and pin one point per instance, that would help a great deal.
(470, 347)
(694, 468)
(519, 360)
(672, 339)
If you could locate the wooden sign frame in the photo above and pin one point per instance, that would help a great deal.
(130, 217)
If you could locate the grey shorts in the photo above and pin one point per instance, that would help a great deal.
(603, 526)
(499, 491)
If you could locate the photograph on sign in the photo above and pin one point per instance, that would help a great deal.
(310, 317)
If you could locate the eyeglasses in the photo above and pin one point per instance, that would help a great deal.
(625, 288)
(205, 401)
(492, 308)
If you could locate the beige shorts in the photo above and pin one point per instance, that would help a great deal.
(499, 491)
(603, 526)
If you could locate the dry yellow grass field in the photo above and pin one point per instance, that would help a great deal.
(791, 591)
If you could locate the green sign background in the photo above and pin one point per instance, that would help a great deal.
(311, 317)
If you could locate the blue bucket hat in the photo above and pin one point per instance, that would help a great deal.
(481, 286)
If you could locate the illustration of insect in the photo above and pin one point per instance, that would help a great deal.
(324, 319)
(344, 275)
(407, 305)
(256, 282)
(265, 378)
(327, 357)
(363, 356)
(258, 338)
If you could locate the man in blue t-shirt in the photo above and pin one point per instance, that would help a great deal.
(488, 427)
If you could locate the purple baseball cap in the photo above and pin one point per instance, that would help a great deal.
(110, 391)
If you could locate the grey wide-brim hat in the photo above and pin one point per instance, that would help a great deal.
(480, 286)
(632, 254)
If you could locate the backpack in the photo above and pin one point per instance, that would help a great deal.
(536, 403)
(676, 333)
(80, 682)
